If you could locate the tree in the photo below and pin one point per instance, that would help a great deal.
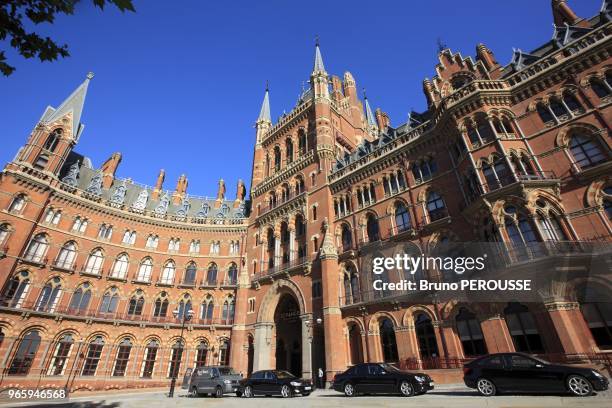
(29, 44)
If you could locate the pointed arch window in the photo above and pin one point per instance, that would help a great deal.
(123, 356)
(148, 364)
(80, 225)
(18, 204)
(53, 216)
(161, 305)
(551, 227)
(470, 334)
(144, 271)
(94, 262)
(523, 329)
(37, 248)
(5, 230)
(201, 354)
(224, 352)
(120, 267)
(49, 296)
(372, 228)
(61, 354)
(402, 218)
(227, 315)
(110, 300)
(600, 88)
(67, 255)
(351, 286)
(176, 355)
(302, 142)
(80, 298)
(211, 274)
(232, 274)
(94, 351)
(426, 337)
(190, 274)
(208, 307)
(289, 150)
(388, 341)
(16, 290)
(184, 307)
(544, 113)
(435, 206)
(347, 238)
(152, 241)
(136, 304)
(52, 140)
(105, 231)
(277, 158)
(25, 354)
(167, 276)
(586, 151)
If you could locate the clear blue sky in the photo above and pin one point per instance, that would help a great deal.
(179, 84)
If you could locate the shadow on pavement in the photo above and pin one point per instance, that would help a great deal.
(82, 404)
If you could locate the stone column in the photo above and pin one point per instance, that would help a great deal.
(496, 334)
(277, 250)
(307, 336)
(292, 244)
(570, 326)
(262, 345)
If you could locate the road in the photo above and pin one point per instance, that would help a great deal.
(455, 396)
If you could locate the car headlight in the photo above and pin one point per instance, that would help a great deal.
(295, 383)
(597, 374)
(227, 381)
(420, 378)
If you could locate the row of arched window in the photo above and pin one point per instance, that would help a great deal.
(278, 160)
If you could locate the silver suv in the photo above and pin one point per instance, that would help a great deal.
(211, 380)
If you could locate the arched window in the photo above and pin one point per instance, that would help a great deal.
(227, 315)
(571, 102)
(352, 292)
(80, 298)
(37, 248)
(184, 307)
(190, 274)
(80, 225)
(435, 206)
(608, 201)
(53, 216)
(176, 354)
(161, 305)
(519, 228)
(545, 114)
(152, 241)
(25, 354)
(523, 329)
(470, 334)
(167, 276)
(289, 150)
(551, 227)
(123, 356)
(426, 337)
(94, 262)
(232, 274)
(402, 218)
(18, 204)
(208, 307)
(105, 231)
(148, 363)
(586, 151)
(224, 352)
(61, 353)
(5, 230)
(52, 140)
(598, 316)
(16, 290)
(67, 255)
(557, 107)
(136, 304)
(277, 158)
(387, 340)
(201, 354)
(120, 267)
(372, 228)
(211, 274)
(302, 141)
(144, 271)
(110, 300)
(92, 359)
(347, 238)
(600, 88)
(49, 296)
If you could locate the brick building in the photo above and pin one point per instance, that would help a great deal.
(514, 155)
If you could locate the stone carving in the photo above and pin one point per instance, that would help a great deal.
(73, 174)
(141, 201)
(328, 249)
(240, 210)
(95, 185)
(162, 206)
(118, 196)
(184, 208)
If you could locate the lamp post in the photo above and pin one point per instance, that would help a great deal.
(187, 315)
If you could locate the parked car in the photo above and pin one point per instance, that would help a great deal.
(273, 382)
(381, 378)
(521, 372)
(213, 380)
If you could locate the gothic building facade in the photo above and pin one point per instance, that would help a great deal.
(109, 284)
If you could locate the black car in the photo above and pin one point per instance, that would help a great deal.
(381, 378)
(521, 372)
(273, 382)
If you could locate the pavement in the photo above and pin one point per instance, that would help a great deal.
(444, 396)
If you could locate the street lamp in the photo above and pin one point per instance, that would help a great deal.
(184, 319)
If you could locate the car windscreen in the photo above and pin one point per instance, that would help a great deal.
(227, 371)
(284, 374)
(389, 367)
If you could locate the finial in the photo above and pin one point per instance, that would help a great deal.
(364, 93)
(316, 40)
(90, 75)
(267, 85)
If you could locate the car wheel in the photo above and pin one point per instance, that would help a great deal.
(406, 388)
(193, 392)
(349, 389)
(238, 394)
(218, 392)
(248, 392)
(305, 394)
(486, 387)
(579, 386)
(286, 391)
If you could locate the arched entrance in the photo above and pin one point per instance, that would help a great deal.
(288, 335)
(428, 346)
(355, 346)
(250, 355)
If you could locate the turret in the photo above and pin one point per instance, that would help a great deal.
(319, 80)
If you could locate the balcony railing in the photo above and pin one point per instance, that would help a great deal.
(269, 207)
(284, 267)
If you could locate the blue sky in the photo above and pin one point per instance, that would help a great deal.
(179, 87)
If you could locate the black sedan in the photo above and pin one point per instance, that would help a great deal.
(520, 372)
(273, 382)
(381, 378)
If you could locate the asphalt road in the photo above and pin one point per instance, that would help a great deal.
(442, 397)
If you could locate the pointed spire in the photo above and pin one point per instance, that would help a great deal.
(369, 116)
(318, 61)
(264, 113)
(74, 103)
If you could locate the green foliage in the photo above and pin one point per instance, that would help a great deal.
(30, 44)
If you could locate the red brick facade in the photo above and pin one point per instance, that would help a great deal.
(511, 155)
